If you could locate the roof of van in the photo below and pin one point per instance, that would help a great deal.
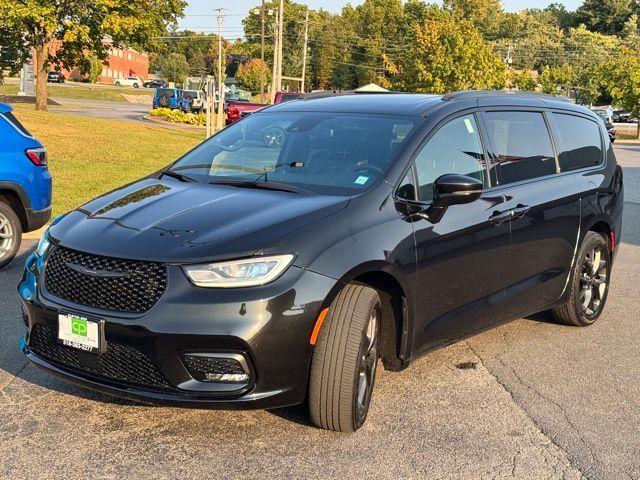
(4, 108)
(418, 104)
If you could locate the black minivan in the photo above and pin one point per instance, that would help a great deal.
(277, 261)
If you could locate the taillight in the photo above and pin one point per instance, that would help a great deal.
(38, 156)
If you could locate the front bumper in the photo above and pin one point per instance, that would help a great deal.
(269, 326)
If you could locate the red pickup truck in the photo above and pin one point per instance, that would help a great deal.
(236, 109)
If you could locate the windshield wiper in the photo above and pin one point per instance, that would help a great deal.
(180, 176)
(261, 185)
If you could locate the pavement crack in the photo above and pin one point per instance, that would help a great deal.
(540, 427)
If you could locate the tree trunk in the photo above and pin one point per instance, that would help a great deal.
(42, 68)
(638, 129)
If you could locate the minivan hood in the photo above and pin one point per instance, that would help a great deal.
(171, 221)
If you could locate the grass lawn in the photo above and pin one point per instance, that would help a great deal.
(87, 92)
(88, 157)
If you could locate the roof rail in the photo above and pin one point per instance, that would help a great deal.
(339, 93)
(497, 93)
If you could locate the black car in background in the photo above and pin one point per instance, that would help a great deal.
(55, 77)
(155, 83)
(279, 260)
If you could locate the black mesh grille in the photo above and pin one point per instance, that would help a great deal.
(135, 291)
(121, 363)
(199, 366)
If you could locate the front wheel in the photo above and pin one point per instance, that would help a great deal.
(117, 84)
(10, 234)
(135, 85)
(589, 283)
(343, 366)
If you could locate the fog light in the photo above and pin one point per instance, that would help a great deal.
(227, 377)
(217, 367)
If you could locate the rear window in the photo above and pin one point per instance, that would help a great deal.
(523, 145)
(165, 91)
(16, 123)
(581, 143)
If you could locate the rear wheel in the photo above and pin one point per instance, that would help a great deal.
(117, 84)
(344, 361)
(10, 234)
(135, 85)
(589, 283)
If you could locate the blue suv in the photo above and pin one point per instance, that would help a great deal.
(25, 184)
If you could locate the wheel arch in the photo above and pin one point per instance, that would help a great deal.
(396, 297)
(14, 196)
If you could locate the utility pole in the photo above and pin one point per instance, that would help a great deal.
(262, 53)
(280, 37)
(274, 75)
(220, 79)
(304, 52)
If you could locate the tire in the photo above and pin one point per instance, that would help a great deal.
(589, 283)
(135, 85)
(117, 84)
(10, 234)
(344, 358)
(164, 101)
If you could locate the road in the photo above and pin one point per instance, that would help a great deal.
(132, 112)
(542, 401)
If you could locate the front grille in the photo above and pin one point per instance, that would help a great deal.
(120, 363)
(135, 291)
(199, 366)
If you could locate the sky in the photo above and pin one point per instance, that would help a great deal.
(201, 18)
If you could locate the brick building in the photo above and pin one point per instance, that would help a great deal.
(122, 62)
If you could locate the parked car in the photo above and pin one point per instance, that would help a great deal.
(55, 77)
(276, 262)
(237, 109)
(611, 131)
(134, 82)
(282, 97)
(194, 101)
(155, 83)
(168, 98)
(25, 184)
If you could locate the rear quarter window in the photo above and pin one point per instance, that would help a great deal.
(10, 117)
(580, 142)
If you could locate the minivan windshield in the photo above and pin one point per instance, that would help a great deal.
(333, 153)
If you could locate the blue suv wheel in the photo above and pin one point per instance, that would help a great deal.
(25, 184)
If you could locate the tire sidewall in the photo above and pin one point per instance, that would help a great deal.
(593, 239)
(8, 212)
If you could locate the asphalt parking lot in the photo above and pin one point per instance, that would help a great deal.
(540, 401)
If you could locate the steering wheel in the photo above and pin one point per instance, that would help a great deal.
(365, 166)
(235, 146)
(273, 136)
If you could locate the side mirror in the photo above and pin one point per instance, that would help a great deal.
(450, 190)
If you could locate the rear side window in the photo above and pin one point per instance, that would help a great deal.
(581, 142)
(523, 145)
(16, 123)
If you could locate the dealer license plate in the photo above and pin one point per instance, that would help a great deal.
(79, 332)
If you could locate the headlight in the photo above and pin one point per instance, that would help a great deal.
(44, 244)
(248, 272)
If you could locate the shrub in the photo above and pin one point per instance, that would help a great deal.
(178, 116)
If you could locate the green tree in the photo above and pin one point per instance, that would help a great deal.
(486, 15)
(248, 75)
(449, 54)
(557, 79)
(605, 16)
(95, 68)
(81, 25)
(621, 80)
(523, 80)
(565, 19)
(175, 67)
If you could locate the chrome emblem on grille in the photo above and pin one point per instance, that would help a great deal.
(95, 273)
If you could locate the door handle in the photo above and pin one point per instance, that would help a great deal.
(501, 217)
(520, 211)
